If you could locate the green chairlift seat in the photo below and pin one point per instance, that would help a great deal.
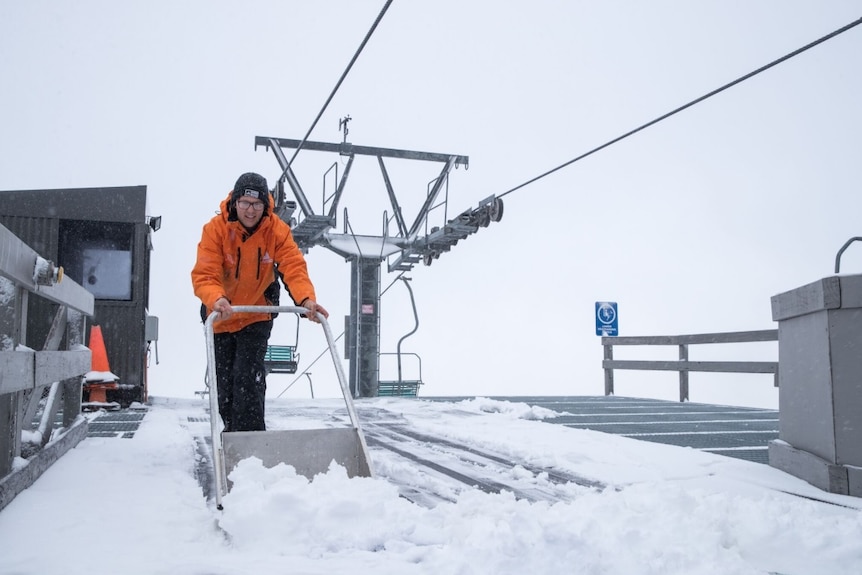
(280, 359)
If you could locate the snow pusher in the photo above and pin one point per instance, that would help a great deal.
(309, 451)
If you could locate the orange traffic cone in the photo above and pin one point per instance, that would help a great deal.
(99, 363)
(98, 351)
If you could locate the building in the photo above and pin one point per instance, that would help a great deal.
(102, 238)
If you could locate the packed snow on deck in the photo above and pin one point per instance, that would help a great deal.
(133, 506)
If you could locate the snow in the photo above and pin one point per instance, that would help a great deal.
(358, 245)
(100, 376)
(43, 272)
(134, 506)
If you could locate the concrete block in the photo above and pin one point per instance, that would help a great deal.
(808, 467)
(854, 480)
(822, 294)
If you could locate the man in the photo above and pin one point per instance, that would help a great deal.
(243, 250)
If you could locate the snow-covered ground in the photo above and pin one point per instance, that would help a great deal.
(134, 506)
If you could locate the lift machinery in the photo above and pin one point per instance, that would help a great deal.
(409, 245)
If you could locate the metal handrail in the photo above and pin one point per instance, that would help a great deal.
(218, 449)
(406, 281)
(405, 353)
(841, 251)
(25, 373)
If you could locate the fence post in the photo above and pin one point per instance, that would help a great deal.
(609, 372)
(11, 320)
(683, 374)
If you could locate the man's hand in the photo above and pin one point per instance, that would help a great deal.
(222, 306)
(314, 308)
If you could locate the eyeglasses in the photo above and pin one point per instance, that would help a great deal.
(245, 204)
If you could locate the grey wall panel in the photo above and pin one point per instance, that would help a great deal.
(822, 294)
(805, 380)
(851, 291)
(845, 331)
(38, 232)
(123, 331)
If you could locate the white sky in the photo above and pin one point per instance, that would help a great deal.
(691, 225)
(133, 506)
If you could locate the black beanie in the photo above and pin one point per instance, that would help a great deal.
(250, 185)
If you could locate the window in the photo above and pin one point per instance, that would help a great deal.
(98, 255)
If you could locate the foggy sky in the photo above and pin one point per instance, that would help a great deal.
(691, 225)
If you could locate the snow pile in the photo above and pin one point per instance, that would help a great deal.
(666, 511)
(516, 410)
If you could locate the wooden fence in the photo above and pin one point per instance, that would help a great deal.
(684, 366)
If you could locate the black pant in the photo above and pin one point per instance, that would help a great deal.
(242, 377)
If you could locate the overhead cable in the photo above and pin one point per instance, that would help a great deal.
(690, 104)
(338, 84)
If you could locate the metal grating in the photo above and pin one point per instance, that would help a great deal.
(701, 426)
(759, 455)
(741, 432)
(658, 415)
(121, 424)
(711, 440)
(108, 434)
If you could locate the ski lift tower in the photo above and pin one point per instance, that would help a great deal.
(366, 254)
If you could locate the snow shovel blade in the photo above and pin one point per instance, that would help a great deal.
(309, 451)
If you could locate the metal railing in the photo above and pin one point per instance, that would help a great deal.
(30, 379)
(401, 386)
(684, 366)
(842, 250)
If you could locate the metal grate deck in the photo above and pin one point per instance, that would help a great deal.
(741, 432)
(122, 424)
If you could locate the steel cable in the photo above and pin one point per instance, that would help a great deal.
(689, 105)
(338, 84)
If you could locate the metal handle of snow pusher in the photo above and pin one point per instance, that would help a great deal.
(215, 420)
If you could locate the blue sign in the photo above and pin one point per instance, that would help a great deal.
(607, 318)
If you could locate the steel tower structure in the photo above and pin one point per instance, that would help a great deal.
(411, 244)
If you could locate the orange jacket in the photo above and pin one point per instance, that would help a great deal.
(233, 264)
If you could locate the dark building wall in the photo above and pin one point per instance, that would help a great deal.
(123, 330)
(67, 223)
(39, 233)
(121, 204)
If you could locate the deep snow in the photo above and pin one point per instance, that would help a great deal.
(133, 506)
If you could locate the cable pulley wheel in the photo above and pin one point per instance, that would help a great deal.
(496, 210)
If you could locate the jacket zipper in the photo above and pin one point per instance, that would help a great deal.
(238, 258)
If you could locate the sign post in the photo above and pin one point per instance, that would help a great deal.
(607, 318)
